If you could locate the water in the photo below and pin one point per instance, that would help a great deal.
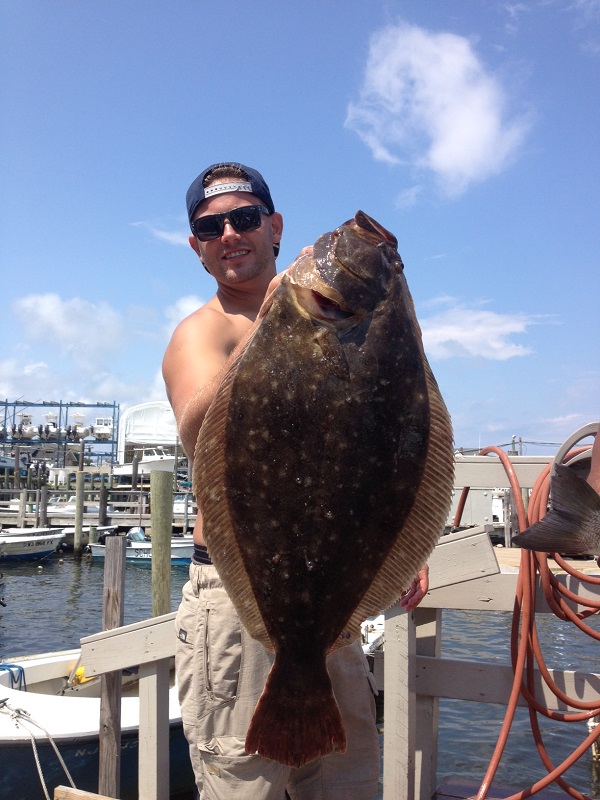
(52, 607)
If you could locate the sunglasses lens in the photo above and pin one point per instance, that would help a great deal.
(244, 218)
(207, 228)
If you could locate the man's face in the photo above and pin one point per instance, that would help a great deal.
(234, 257)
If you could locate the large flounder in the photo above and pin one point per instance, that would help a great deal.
(324, 471)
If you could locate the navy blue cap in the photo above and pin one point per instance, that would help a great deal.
(254, 184)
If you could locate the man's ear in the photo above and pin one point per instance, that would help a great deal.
(196, 248)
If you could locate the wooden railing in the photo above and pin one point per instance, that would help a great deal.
(464, 574)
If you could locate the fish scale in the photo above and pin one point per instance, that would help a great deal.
(324, 472)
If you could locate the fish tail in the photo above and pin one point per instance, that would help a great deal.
(573, 524)
(293, 726)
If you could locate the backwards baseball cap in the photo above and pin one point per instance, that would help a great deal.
(252, 182)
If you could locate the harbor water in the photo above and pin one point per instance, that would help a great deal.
(51, 605)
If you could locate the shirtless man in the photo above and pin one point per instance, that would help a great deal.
(221, 671)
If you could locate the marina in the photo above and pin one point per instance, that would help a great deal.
(71, 589)
(470, 625)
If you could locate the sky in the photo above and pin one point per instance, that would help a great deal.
(469, 129)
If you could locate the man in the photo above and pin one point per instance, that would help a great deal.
(221, 671)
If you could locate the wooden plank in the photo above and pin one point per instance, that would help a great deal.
(429, 640)
(145, 641)
(488, 472)
(455, 788)
(463, 556)
(497, 593)
(400, 706)
(67, 793)
(491, 683)
(153, 775)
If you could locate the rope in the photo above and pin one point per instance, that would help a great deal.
(19, 715)
(17, 681)
(526, 652)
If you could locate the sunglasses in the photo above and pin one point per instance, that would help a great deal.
(242, 219)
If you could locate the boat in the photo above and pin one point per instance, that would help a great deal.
(102, 429)
(149, 459)
(47, 699)
(29, 544)
(139, 548)
(69, 533)
(24, 429)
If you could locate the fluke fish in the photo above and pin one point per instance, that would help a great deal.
(324, 471)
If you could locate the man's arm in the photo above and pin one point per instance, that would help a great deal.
(197, 357)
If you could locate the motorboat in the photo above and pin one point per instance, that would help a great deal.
(47, 701)
(139, 548)
(29, 544)
(149, 459)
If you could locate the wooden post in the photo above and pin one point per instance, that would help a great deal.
(186, 498)
(109, 776)
(43, 506)
(103, 506)
(17, 469)
(37, 506)
(161, 491)
(79, 498)
(22, 509)
(93, 535)
(154, 778)
(400, 705)
(134, 475)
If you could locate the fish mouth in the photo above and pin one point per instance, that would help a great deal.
(328, 308)
(324, 308)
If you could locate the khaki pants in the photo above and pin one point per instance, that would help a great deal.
(221, 673)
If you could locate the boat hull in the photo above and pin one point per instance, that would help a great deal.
(14, 547)
(69, 712)
(19, 777)
(141, 552)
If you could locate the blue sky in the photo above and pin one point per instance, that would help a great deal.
(469, 129)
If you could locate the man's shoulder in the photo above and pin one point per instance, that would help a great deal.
(209, 317)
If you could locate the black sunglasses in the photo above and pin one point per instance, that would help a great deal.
(242, 219)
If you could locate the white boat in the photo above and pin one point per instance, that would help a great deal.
(149, 458)
(69, 533)
(29, 544)
(139, 548)
(25, 429)
(58, 704)
(102, 429)
(180, 501)
(69, 507)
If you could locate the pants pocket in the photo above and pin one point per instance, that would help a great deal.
(222, 648)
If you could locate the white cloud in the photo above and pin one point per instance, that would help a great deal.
(427, 101)
(182, 308)
(85, 331)
(459, 331)
(178, 238)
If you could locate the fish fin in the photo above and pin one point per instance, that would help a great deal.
(208, 474)
(333, 352)
(566, 528)
(425, 523)
(293, 726)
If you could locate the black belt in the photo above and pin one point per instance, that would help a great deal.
(201, 555)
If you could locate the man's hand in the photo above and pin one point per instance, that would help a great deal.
(417, 590)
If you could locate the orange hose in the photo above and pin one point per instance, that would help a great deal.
(526, 651)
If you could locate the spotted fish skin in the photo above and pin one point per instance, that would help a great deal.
(324, 471)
